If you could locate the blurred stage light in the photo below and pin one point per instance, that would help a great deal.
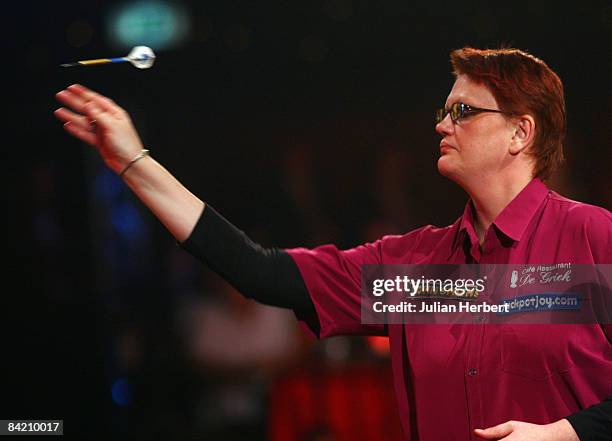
(107, 185)
(379, 345)
(122, 392)
(127, 221)
(156, 24)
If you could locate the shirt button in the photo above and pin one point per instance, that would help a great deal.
(472, 372)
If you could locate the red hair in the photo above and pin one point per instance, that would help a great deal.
(522, 84)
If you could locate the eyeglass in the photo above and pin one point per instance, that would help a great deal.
(461, 110)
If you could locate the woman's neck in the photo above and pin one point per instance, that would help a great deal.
(490, 198)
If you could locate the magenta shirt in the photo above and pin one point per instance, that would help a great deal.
(451, 379)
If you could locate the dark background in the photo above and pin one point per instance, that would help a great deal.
(302, 122)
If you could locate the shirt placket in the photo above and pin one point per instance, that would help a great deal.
(475, 342)
(472, 376)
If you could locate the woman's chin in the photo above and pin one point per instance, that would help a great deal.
(445, 166)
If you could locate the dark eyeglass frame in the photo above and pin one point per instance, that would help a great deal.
(458, 111)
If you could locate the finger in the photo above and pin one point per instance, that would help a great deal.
(80, 133)
(89, 110)
(66, 115)
(103, 102)
(495, 432)
(94, 113)
(481, 434)
(71, 100)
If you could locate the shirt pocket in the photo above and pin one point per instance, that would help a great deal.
(538, 352)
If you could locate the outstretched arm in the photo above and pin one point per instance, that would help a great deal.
(101, 123)
(268, 275)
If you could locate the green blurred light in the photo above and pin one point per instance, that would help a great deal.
(155, 24)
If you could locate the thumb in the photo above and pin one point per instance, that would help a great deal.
(495, 432)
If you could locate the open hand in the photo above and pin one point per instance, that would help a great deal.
(560, 430)
(100, 122)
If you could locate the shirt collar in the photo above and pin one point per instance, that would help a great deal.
(466, 223)
(515, 217)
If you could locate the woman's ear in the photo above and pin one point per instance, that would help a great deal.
(524, 134)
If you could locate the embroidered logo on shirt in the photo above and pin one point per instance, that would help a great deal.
(533, 275)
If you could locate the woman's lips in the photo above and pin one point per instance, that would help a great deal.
(444, 147)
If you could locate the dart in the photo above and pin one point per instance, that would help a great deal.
(140, 56)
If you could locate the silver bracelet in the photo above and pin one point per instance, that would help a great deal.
(139, 156)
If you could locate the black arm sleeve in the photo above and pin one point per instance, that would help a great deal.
(594, 423)
(268, 275)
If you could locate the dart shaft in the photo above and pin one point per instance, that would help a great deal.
(96, 61)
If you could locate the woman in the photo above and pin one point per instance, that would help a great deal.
(502, 129)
